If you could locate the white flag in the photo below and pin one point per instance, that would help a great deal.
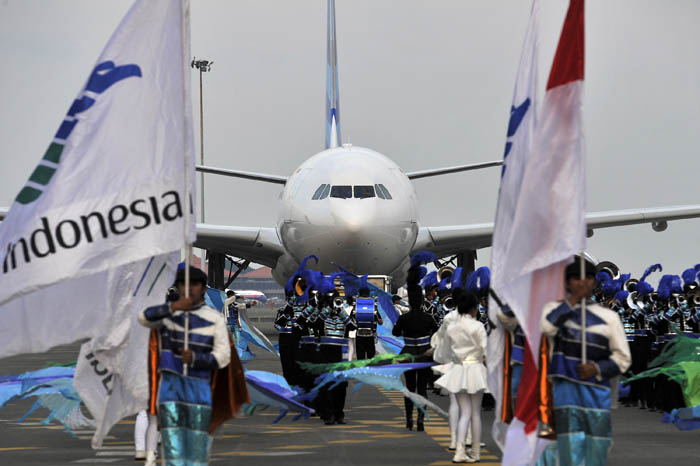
(109, 191)
(111, 376)
(520, 137)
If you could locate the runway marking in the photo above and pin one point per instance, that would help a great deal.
(264, 453)
(296, 447)
(347, 441)
(97, 460)
(20, 448)
(115, 453)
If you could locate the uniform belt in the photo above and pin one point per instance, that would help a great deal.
(630, 337)
(307, 340)
(284, 329)
(640, 333)
(420, 341)
(333, 341)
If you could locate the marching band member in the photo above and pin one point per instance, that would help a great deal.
(194, 342)
(581, 389)
(416, 328)
(366, 317)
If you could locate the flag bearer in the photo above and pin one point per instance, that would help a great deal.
(581, 389)
(185, 397)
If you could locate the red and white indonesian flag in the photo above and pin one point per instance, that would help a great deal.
(548, 224)
(95, 234)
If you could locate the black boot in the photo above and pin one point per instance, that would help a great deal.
(408, 404)
(419, 423)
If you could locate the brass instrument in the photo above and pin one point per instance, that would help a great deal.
(445, 272)
(448, 304)
(608, 267)
(631, 284)
(299, 286)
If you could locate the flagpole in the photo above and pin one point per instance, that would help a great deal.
(583, 313)
(184, 17)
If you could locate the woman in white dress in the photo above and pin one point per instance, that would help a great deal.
(459, 346)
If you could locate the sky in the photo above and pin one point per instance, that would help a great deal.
(428, 84)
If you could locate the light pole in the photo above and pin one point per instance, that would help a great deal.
(202, 66)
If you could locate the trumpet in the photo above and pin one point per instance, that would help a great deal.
(632, 300)
(338, 302)
(696, 300)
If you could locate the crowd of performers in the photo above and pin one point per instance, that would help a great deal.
(629, 324)
(446, 322)
(444, 331)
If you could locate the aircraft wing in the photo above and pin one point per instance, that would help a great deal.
(455, 169)
(275, 179)
(259, 245)
(448, 240)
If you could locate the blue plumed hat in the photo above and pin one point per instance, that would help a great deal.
(621, 296)
(651, 269)
(457, 281)
(479, 281)
(325, 284)
(430, 280)
(422, 257)
(643, 288)
(689, 276)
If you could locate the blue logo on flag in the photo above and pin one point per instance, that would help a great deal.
(516, 117)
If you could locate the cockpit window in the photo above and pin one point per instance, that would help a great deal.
(318, 192)
(385, 191)
(341, 192)
(380, 193)
(325, 192)
(364, 192)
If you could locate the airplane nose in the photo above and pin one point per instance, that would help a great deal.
(354, 221)
(356, 216)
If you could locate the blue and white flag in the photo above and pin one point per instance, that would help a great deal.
(109, 191)
(95, 234)
(520, 137)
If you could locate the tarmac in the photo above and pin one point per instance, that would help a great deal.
(375, 432)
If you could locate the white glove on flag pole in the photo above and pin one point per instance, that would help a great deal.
(108, 195)
(548, 222)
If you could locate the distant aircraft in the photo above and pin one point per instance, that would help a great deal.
(355, 208)
(251, 295)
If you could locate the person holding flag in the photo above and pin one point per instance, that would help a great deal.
(581, 378)
(193, 342)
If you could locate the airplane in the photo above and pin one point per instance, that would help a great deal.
(251, 295)
(355, 208)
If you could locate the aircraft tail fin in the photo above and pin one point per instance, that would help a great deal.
(332, 94)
